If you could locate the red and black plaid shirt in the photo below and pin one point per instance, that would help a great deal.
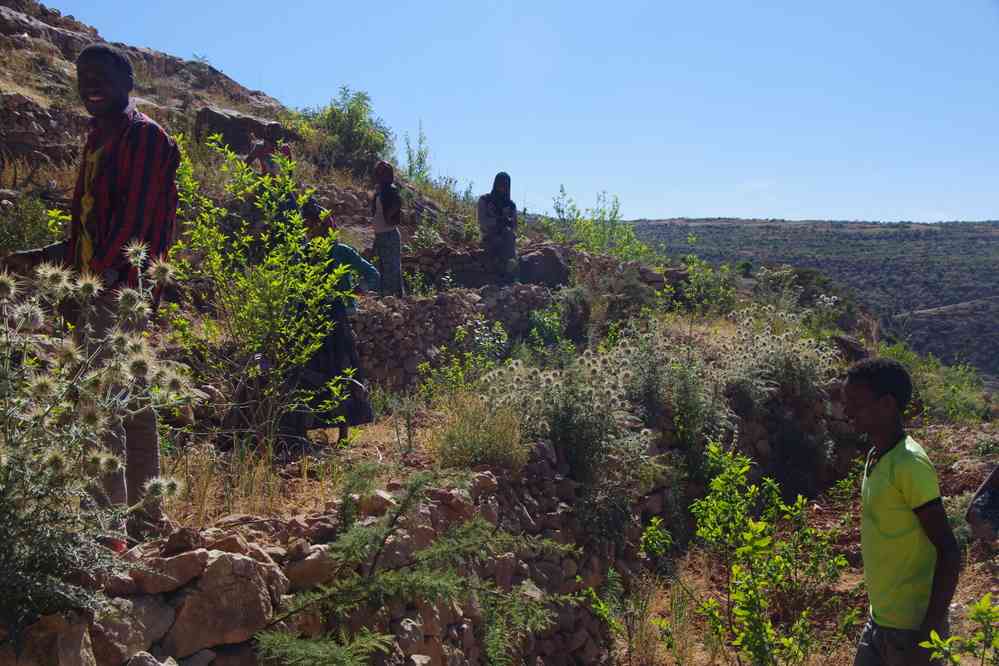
(125, 191)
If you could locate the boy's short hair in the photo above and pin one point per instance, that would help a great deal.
(884, 376)
(115, 56)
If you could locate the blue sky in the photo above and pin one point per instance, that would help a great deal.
(772, 108)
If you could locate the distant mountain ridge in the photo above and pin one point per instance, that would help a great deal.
(936, 283)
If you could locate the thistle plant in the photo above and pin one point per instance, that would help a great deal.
(61, 391)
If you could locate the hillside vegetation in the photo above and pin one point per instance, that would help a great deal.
(618, 459)
(933, 285)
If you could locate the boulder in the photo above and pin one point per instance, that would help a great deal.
(545, 266)
(55, 640)
(167, 574)
(131, 627)
(314, 570)
(182, 540)
(237, 128)
(230, 602)
(146, 659)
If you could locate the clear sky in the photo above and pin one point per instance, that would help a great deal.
(856, 109)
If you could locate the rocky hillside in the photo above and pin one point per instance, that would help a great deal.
(931, 283)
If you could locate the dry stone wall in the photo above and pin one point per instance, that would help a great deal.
(395, 335)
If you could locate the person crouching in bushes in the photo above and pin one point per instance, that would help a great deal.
(497, 215)
(386, 213)
(338, 357)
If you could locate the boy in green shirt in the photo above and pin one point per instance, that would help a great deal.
(911, 559)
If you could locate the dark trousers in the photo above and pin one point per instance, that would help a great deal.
(884, 646)
(388, 253)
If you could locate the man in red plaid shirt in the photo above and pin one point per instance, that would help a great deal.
(125, 192)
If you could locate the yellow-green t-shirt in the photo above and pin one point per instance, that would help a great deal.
(899, 559)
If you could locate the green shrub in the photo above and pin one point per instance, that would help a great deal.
(981, 645)
(268, 285)
(26, 224)
(59, 398)
(478, 433)
(778, 565)
(476, 348)
(948, 393)
(599, 230)
(348, 135)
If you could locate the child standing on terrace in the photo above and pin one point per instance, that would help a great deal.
(386, 213)
(911, 559)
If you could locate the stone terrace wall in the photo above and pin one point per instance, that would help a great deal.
(394, 336)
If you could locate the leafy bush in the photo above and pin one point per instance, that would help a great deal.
(348, 135)
(777, 564)
(26, 224)
(269, 287)
(599, 230)
(478, 433)
(982, 645)
(60, 395)
(476, 348)
(948, 393)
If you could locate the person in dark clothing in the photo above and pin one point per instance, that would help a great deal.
(497, 215)
(983, 512)
(125, 192)
(338, 355)
(386, 213)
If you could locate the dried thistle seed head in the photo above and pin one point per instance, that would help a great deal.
(155, 487)
(9, 286)
(160, 272)
(111, 464)
(139, 366)
(128, 298)
(68, 353)
(29, 315)
(41, 387)
(93, 463)
(91, 416)
(88, 287)
(171, 487)
(54, 461)
(136, 253)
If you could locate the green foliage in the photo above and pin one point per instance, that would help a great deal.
(948, 393)
(418, 158)
(61, 394)
(546, 343)
(981, 645)
(26, 224)
(708, 290)
(349, 136)
(476, 433)
(986, 446)
(475, 350)
(443, 572)
(656, 539)
(599, 230)
(957, 508)
(777, 564)
(268, 284)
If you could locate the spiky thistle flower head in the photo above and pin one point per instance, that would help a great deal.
(93, 463)
(88, 287)
(91, 416)
(155, 488)
(160, 272)
(128, 298)
(53, 280)
(9, 286)
(139, 366)
(29, 315)
(41, 387)
(54, 461)
(136, 253)
(111, 464)
(68, 353)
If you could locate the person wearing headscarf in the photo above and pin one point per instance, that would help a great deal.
(498, 226)
(386, 213)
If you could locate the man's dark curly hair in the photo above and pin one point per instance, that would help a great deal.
(116, 57)
(884, 376)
